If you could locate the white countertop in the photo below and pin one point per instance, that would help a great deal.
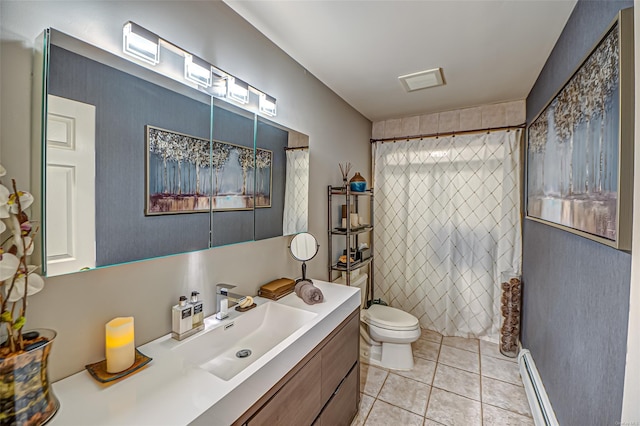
(172, 391)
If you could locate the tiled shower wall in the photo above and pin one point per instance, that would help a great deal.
(482, 117)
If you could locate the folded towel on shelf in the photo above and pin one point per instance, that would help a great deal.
(309, 293)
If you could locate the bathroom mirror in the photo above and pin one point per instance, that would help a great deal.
(95, 200)
(303, 247)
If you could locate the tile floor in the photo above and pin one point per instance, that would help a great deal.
(454, 381)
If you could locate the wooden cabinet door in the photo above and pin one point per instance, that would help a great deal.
(343, 406)
(338, 356)
(297, 402)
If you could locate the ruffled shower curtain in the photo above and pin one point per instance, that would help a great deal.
(296, 193)
(448, 223)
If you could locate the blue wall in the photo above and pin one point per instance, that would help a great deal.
(576, 291)
(123, 232)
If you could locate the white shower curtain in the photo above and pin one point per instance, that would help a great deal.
(296, 192)
(448, 222)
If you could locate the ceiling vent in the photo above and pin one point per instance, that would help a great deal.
(422, 80)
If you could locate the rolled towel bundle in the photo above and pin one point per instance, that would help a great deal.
(309, 293)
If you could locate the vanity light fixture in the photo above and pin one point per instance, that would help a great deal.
(140, 43)
(197, 70)
(219, 88)
(145, 46)
(237, 90)
(267, 104)
(220, 78)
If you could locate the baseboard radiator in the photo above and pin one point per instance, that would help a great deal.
(541, 409)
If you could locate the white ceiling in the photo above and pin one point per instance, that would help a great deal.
(490, 51)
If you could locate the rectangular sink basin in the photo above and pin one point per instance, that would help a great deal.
(227, 350)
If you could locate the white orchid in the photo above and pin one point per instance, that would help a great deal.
(8, 265)
(25, 198)
(34, 283)
(18, 280)
(4, 201)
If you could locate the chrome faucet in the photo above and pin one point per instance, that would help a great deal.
(222, 293)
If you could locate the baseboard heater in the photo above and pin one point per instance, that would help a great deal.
(541, 409)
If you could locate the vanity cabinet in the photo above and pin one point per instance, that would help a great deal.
(322, 389)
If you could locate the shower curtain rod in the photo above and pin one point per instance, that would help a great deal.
(444, 134)
(294, 148)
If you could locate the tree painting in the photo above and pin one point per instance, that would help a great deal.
(573, 148)
(190, 174)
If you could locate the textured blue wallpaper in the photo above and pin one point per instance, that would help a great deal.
(123, 232)
(576, 291)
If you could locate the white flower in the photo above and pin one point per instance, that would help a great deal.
(35, 283)
(4, 201)
(8, 265)
(28, 242)
(3, 171)
(26, 200)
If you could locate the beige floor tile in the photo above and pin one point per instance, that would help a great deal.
(501, 370)
(366, 402)
(371, 379)
(453, 410)
(494, 416)
(492, 350)
(457, 381)
(405, 393)
(383, 414)
(365, 360)
(505, 395)
(429, 422)
(422, 370)
(431, 335)
(461, 343)
(459, 358)
(426, 349)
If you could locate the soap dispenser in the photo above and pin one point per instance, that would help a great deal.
(198, 314)
(181, 319)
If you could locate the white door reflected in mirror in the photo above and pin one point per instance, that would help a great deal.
(70, 215)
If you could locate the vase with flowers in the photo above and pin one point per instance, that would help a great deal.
(26, 397)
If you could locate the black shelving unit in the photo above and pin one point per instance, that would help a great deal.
(351, 235)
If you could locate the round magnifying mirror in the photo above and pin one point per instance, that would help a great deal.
(303, 247)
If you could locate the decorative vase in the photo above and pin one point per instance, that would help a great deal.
(358, 183)
(510, 306)
(26, 397)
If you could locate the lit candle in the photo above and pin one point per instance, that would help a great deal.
(120, 346)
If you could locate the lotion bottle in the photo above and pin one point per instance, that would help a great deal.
(198, 314)
(181, 316)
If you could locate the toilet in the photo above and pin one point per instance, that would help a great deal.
(386, 333)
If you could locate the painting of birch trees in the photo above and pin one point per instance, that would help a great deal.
(573, 149)
(187, 174)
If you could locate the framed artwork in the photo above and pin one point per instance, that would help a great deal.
(187, 174)
(580, 147)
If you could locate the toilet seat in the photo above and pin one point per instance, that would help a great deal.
(389, 318)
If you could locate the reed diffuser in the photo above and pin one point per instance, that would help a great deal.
(344, 169)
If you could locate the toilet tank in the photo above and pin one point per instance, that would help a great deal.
(359, 281)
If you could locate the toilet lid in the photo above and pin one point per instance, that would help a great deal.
(389, 318)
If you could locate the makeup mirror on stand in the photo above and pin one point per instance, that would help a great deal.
(303, 247)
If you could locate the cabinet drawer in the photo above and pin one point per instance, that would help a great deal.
(338, 356)
(297, 402)
(343, 405)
